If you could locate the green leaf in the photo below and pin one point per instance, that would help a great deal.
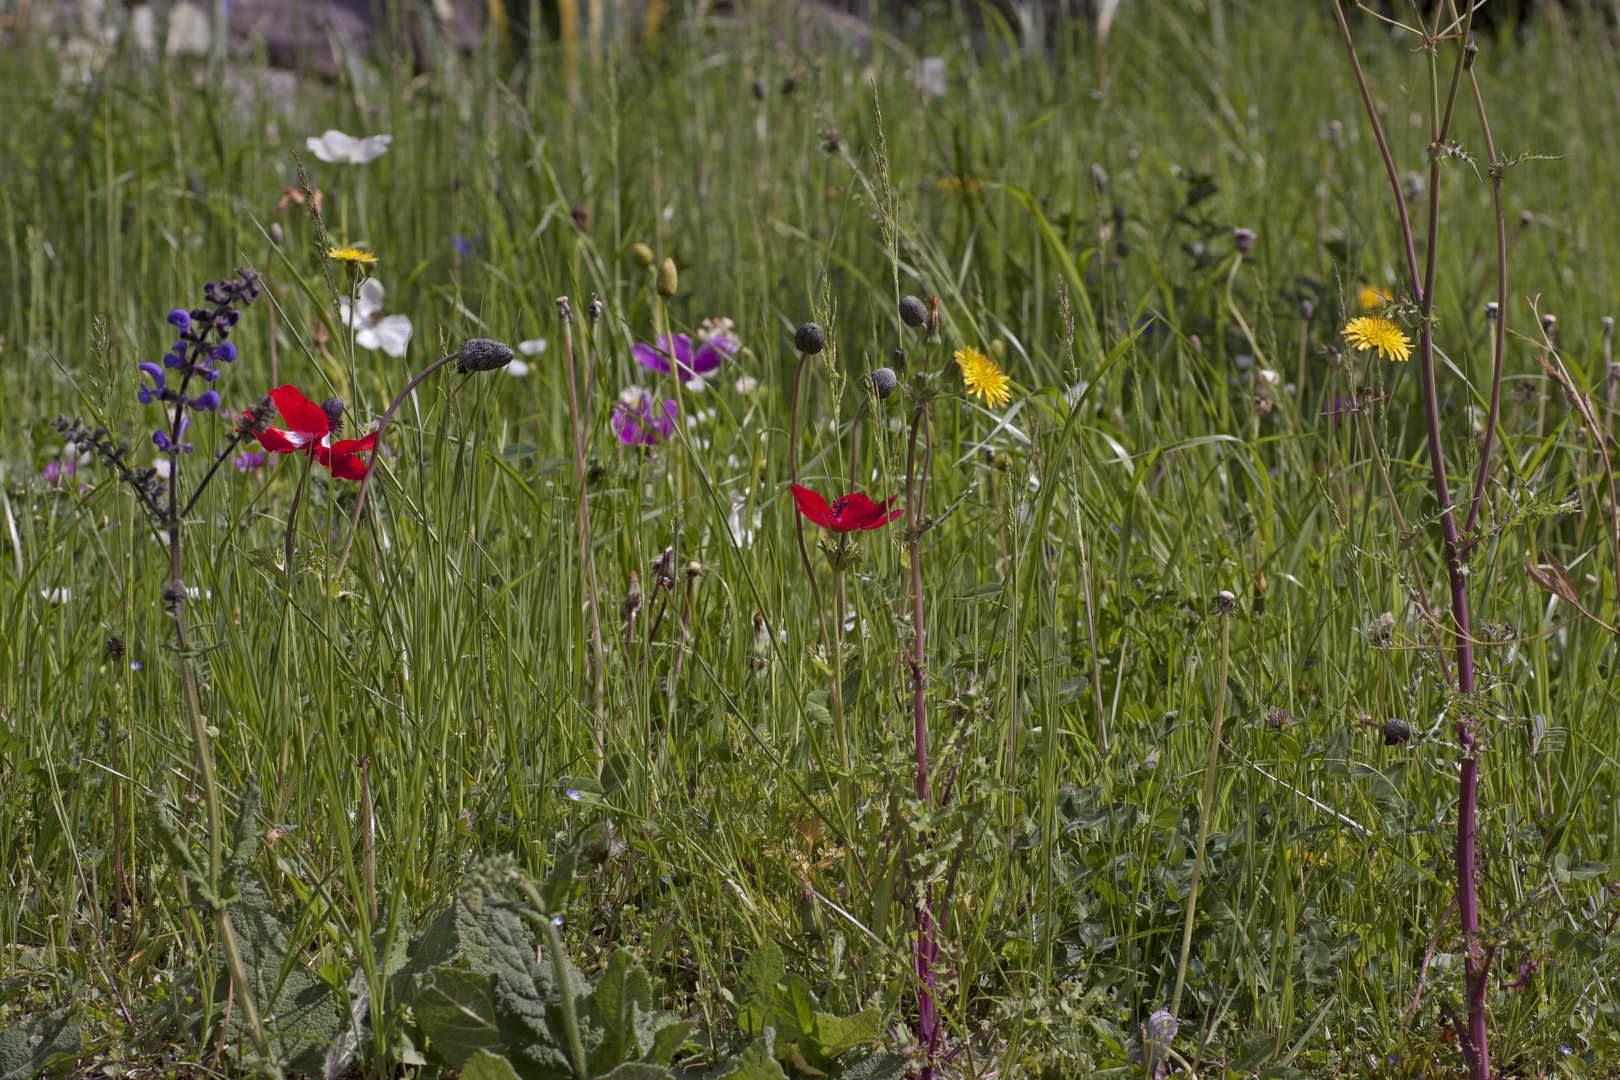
(1586, 871)
(622, 988)
(817, 705)
(660, 1034)
(1256, 1052)
(878, 1065)
(455, 1009)
(795, 1010)
(529, 1020)
(838, 1034)
(758, 1061)
(1283, 1072)
(637, 1070)
(27, 1048)
(487, 1066)
(756, 988)
(560, 882)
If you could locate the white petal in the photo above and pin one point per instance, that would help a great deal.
(318, 148)
(370, 149)
(696, 384)
(395, 334)
(334, 145)
(533, 347)
(343, 309)
(371, 296)
(366, 337)
(518, 368)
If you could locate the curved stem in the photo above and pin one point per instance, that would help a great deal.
(798, 518)
(371, 466)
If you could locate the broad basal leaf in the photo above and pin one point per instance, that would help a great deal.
(27, 1048)
(454, 1008)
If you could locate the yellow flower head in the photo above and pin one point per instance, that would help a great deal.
(353, 256)
(1371, 299)
(981, 376)
(1377, 332)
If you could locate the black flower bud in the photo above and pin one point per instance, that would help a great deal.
(333, 408)
(884, 382)
(1243, 240)
(1396, 731)
(483, 354)
(810, 339)
(913, 312)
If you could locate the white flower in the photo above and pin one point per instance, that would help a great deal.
(719, 326)
(742, 526)
(346, 149)
(746, 385)
(162, 466)
(632, 394)
(696, 385)
(391, 333)
(930, 76)
(533, 347)
(56, 596)
(518, 368)
(1269, 376)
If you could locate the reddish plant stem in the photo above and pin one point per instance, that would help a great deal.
(1499, 324)
(1423, 288)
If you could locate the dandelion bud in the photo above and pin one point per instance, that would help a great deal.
(898, 360)
(1396, 731)
(581, 216)
(1549, 323)
(931, 332)
(1225, 602)
(667, 279)
(594, 312)
(664, 566)
(913, 312)
(884, 382)
(1608, 326)
(1490, 309)
(483, 354)
(1307, 308)
(810, 339)
(632, 596)
(759, 644)
(1243, 240)
(641, 255)
(333, 408)
(275, 232)
(694, 569)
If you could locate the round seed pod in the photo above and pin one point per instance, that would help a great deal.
(641, 255)
(1225, 602)
(1396, 731)
(913, 312)
(884, 382)
(810, 339)
(668, 280)
(483, 354)
(333, 408)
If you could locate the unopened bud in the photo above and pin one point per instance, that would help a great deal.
(1549, 322)
(931, 333)
(664, 566)
(632, 596)
(594, 312)
(1225, 602)
(276, 235)
(913, 312)
(1490, 309)
(1307, 308)
(810, 339)
(1396, 731)
(694, 569)
(1099, 176)
(565, 310)
(884, 382)
(1526, 219)
(581, 216)
(483, 354)
(1243, 240)
(1608, 326)
(897, 360)
(641, 255)
(333, 408)
(668, 280)
(1279, 718)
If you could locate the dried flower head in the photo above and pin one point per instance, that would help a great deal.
(913, 312)
(483, 354)
(810, 339)
(1380, 632)
(1243, 240)
(1225, 602)
(884, 382)
(1377, 332)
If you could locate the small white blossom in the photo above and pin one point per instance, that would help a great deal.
(335, 146)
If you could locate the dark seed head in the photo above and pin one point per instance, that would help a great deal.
(1225, 602)
(483, 354)
(1243, 239)
(810, 339)
(913, 312)
(884, 382)
(581, 216)
(115, 648)
(333, 408)
(1396, 731)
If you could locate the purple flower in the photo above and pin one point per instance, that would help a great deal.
(224, 353)
(693, 366)
(249, 461)
(644, 422)
(206, 402)
(57, 471)
(180, 319)
(167, 445)
(156, 392)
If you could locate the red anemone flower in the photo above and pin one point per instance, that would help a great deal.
(310, 428)
(847, 513)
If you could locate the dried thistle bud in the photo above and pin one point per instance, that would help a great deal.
(333, 408)
(913, 312)
(114, 650)
(1396, 731)
(810, 339)
(276, 235)
(581, 216)
(668, 280)
(884, 382)
(641, 255)
(1243, 240)
(483, 354)
(1225, 602)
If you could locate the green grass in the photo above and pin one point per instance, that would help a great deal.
(454, 652)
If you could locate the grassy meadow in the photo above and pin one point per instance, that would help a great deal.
(391, 710)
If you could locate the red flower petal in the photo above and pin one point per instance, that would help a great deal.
(280, 441)
(814, 507)
(343, 466)
(302, 415)
(356, 446)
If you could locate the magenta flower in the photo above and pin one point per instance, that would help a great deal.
(249, 461)
(693, 365)
(58, 471)
(643, 421)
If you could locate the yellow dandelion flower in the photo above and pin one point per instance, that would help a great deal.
(981, 376)
(353, 256)
(1371, 299)
(1377, 332)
